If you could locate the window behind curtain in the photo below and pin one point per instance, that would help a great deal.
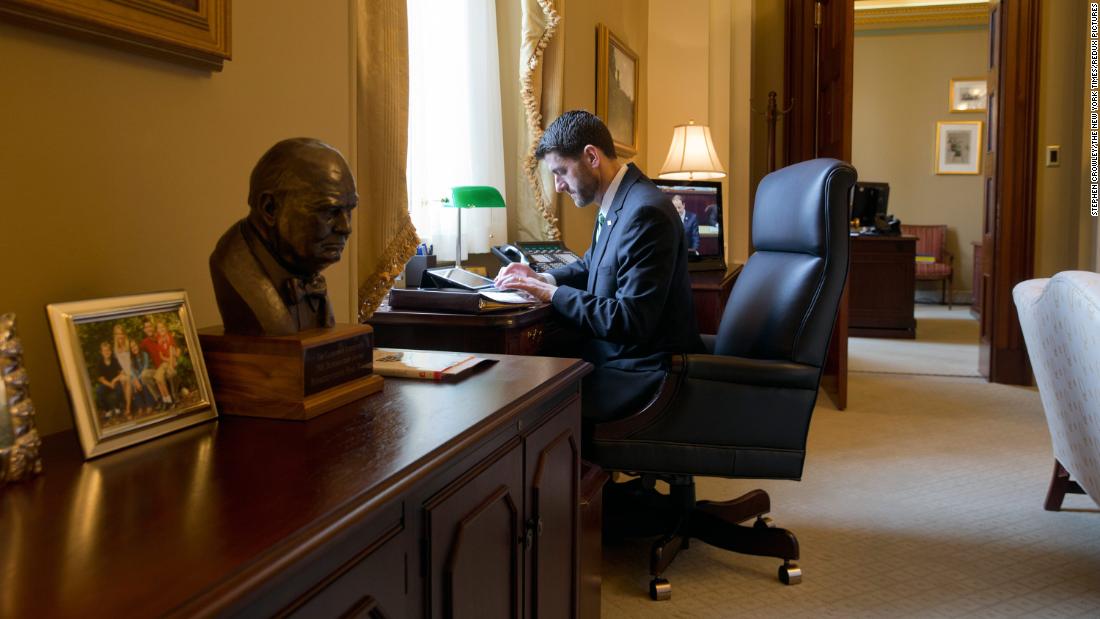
(455, 132)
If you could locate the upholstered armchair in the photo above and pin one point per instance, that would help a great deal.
(742, 411)
(1061, 323)
(932, 244)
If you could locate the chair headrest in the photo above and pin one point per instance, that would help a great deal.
(782, 198)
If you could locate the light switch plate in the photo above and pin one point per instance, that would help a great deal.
(1054, 156)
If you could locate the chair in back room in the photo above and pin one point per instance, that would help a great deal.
(932, 244)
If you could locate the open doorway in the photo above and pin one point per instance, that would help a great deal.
(919, 108)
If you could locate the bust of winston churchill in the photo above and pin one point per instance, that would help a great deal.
(266, 268)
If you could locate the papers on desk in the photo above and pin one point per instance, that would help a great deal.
(512, 297)
(427, 364)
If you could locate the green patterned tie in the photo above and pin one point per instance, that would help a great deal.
(601, 221)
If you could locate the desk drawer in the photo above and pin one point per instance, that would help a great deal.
(370, 584)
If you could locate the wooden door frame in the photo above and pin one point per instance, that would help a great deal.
(1016, 32)
(809, 125)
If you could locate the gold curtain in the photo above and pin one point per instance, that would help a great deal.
(387, 238)
(540, 67)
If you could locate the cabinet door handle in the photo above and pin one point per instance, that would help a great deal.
(532, 528)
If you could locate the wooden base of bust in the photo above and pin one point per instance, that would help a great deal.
(290, 377)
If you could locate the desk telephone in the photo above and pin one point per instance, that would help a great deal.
(541, 256)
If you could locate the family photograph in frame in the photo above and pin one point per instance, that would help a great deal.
(967, 95)
(618, 73)
(959, 147)
(132, 366)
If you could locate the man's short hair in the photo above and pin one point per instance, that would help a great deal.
(278, 166)
(571, 132)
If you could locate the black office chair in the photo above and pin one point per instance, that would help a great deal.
(743, 411)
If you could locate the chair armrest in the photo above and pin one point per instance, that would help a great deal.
(763, 373)
(949, 258)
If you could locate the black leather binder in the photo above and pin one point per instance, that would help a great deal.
(457, 301)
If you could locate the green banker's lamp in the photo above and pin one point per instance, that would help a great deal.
(471, 196)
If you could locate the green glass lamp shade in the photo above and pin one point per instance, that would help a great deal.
(476, 196)
(471, 196)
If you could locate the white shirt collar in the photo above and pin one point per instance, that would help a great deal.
(612, 189)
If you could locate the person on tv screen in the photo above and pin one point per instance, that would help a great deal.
(691, 224)
(629, 296)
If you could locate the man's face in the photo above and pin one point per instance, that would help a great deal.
(574, 176)
(312, 218)
(148, 328)
(678, 202)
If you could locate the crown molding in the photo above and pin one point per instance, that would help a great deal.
(910, 17)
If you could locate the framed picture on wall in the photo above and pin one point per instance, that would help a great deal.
(618, 73)
(132, 366)
(959, 147)
(967, 95)
(194, 32)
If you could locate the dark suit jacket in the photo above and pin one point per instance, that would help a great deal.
(630, 293)
(691, 230)
(249, 285)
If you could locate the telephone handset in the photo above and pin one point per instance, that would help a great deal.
(541, 256)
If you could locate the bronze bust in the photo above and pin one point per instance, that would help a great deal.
(266, 267)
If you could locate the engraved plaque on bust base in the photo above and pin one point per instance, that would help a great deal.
(297, 376)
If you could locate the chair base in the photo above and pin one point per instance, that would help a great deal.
(1060, 486)
(636, 509)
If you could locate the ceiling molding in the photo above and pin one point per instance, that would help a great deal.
(910, 17)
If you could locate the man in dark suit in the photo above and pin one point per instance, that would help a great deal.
(266, 267)
(629, 296)
(691, 224)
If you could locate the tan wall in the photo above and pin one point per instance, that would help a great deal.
(900, 92)
(740, 121)
(1063, 227)
(628, 20)
(700, 53)
(768, 32)
(678, 72)
(118, 173)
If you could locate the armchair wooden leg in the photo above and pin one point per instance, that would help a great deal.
(1060, 485)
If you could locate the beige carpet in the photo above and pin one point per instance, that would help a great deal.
(945, 346)
(923, 499)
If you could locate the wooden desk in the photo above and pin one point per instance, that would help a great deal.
(881, 282)
(709, 292)
(518, 332)
(976, 281)
(526, 331)
(427, 499)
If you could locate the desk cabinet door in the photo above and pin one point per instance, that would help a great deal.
(476, 540)
(371, 585)
(553, 478)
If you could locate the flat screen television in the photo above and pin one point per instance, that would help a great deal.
(869, 199)
(702, 204)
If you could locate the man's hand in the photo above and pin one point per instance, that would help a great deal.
(533, 286)
(513, 270)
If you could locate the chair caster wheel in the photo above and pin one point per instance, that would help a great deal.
(763, 522)
(660, 590)
(790, 574)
